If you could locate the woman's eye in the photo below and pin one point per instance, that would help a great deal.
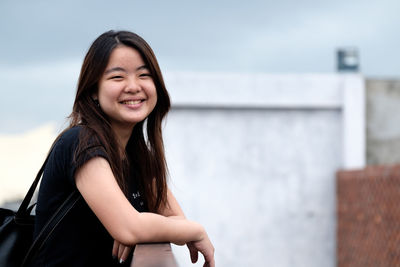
(116, 77)
(145, 75)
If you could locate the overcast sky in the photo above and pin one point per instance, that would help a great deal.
(43, 42)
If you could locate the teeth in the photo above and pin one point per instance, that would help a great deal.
(131, 102)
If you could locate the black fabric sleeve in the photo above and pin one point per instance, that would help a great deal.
(83, 157)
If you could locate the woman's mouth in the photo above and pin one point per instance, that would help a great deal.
(132, 102)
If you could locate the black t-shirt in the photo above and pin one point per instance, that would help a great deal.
(80, 239)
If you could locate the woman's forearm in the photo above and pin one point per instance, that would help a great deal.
(152, 227)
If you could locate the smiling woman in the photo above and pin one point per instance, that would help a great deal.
(116, 165)
(126, 90)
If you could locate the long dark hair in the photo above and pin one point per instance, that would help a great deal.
(145, 148)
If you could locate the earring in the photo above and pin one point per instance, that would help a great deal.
(96, 101)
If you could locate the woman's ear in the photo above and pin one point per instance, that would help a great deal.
(96, 100)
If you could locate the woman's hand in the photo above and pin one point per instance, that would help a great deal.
(120, 251)
(203, 246)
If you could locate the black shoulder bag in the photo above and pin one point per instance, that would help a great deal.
(17, 247)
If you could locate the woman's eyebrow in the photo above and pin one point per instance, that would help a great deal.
(114, 69)
(143, 67)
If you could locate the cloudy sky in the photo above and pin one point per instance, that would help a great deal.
(43, 42)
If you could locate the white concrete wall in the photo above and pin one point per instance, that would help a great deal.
(383, 123)
(253, 158)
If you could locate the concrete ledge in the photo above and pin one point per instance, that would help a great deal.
(260, 90)
(153, 255)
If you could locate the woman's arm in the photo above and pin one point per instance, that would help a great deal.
(97, 184)
(100, 190)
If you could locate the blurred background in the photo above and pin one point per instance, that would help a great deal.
(270, 100)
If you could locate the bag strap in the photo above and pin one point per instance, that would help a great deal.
(51, 224)
(23, 209)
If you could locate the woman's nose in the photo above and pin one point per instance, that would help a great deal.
(132, 86)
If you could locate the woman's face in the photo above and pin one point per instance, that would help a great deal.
(126, 92)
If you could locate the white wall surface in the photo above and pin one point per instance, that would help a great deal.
(253, 158)
(383, 122)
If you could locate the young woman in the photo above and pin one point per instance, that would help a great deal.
(112, 153)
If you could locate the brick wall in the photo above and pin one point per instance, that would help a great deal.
(368, 209)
